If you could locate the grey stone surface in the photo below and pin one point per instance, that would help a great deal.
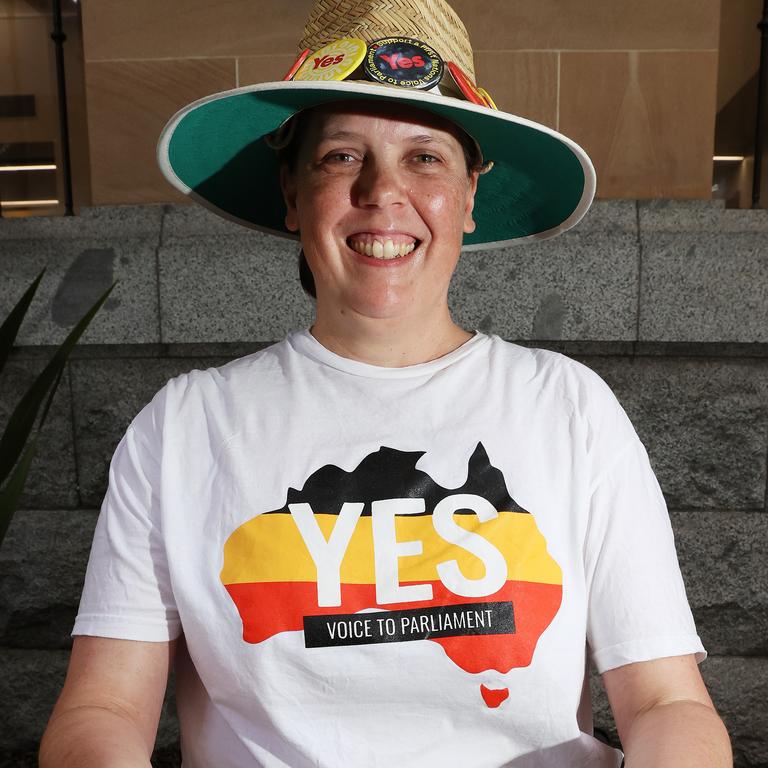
(698, 349)
(704, 288)
(107, 394)
(704, 423)
(259, 272)
(230, 288)
(229, 350)
(51, 482)
(78, 272)
(225, 289)
(180, 221)
(30, 683)
(42, 567)
(111, 221)
(739, 690)
(723, 559)
(703, 216)
(606, 217)
(579, 286)
(601, 709)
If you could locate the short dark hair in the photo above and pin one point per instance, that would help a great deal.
(286, 143)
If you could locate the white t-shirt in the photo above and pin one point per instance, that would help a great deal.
(388, 566)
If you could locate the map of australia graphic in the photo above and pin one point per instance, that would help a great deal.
(385, 554)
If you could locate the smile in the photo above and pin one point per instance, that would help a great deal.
(382, 247)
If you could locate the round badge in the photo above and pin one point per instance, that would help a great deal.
(487, 97)
(403, 61)
(466, 86)
(335, 61)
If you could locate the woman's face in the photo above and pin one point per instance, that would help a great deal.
(382, 198)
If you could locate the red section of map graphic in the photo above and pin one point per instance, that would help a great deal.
(268, 608)
(493, 697)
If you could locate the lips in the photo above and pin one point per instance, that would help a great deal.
(393, 245)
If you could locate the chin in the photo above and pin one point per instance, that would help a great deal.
(380, 307)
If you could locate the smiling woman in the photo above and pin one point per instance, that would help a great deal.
(287, 142)
(359, 540)
(382, 202)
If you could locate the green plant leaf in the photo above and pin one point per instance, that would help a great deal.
(50, 399)
(22, 419)
(10, 327)
(11, 491)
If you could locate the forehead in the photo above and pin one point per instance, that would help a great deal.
(378, 119)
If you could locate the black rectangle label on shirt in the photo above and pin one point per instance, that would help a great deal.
(410, 624)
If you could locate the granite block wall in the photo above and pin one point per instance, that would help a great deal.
(668, 301)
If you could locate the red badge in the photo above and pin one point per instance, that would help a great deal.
(403, 61)
(295, 68)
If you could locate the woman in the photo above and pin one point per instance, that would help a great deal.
(385, 540)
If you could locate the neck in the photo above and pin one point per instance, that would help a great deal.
(388, 342)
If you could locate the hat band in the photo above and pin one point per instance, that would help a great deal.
(399, 61)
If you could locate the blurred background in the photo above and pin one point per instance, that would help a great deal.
(662, 289)
(662, 95)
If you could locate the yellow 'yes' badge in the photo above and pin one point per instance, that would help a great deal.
(335, 61)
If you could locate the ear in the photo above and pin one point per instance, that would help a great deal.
(469, 222)
(288, 187)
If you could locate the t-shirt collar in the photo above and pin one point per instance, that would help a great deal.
(305, 343)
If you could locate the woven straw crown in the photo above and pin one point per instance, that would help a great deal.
(431, 21)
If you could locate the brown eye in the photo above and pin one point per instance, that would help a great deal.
(339, 157)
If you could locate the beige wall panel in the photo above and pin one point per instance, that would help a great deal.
(263, 69)
(147, 29)
(129, 102)
(592, 25)
(524, 83)
(27, 66)
(176, 28)
(646, 119)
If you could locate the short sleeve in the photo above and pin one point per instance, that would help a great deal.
(127, 592)
(637, 606)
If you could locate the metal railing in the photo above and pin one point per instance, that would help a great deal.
(59, 38)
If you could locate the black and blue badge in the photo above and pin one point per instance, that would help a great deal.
(403, 61)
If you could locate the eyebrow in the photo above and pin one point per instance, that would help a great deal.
(346, 135)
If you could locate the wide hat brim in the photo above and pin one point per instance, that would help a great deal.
(541, 184)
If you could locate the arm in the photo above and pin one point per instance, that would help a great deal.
(665, 716)
(109, 709)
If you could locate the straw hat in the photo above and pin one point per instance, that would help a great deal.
(218, 150)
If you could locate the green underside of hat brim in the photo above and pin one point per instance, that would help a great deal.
(214, 150)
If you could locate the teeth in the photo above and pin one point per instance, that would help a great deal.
(382, 250)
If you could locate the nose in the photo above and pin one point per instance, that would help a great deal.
(380, 184)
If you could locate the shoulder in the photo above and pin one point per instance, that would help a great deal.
(211, 389)
(230, 375)
(552, 379)
(547, 369)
